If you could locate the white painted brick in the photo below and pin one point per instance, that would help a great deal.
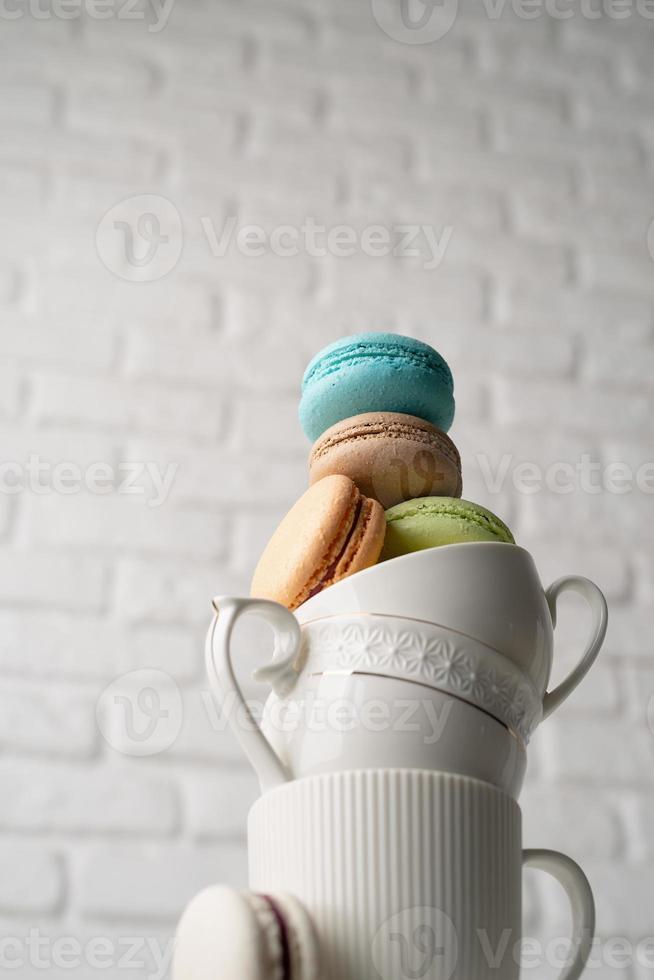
(270, 426)
(73, 66)
(579, 514)
(636, 811)
(644, 584)
(396, 114)
(252, 532)
(571, 406)
(266, 176)
(509, 258)
(630, 268)
(211, 811)
(22, 190)
(607, 365)
(628, 634)
(492, 169)
(31, 879)
(605, 37)
(621, 317)
(11, 390)
(345, 69)
(512, 353)
(534, 99)
(67, 948)
(80, 799)
(11, 286)
(566, 143)
(107, 404)
(50, 723)
(556, 556)
(457, 56)
(605, 191)
(153, 882)
(7, 512)
(124, 116)
(600, 695)
(99, 301)
(57, 342)
(623, 911)
(77, 153)
(125, 523)
(600, 111)
(358, 155)
(447, 294)
(557, 216)
(58, 645)
(277, 97)
(496, 452)
(64, 949)
(220, 478)
(206, 360)
(290, 22)
(639, 684)
(470, 390)
(84, 200)
(602, 752)
(43, 579)
(30, 30)
(174, 592)
(583, 823)
(32, 104)
(205, 735)
(29, 446)
(534, 62)
(235, 267)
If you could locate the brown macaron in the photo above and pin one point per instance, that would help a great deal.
(331, 532)
(391, 457)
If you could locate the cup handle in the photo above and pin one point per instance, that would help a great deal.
(595, 599)
(281, 673)
(568, 873)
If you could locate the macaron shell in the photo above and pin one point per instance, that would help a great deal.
(430, 522)
(376, 372)
(390, 456)
(308, 550)
(219, 935)
(303, 940)
(365, 542)
(225, 934)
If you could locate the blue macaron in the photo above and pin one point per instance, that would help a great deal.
(376, 372)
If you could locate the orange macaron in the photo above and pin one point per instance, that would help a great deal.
(331, 532)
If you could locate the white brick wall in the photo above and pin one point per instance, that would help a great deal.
(533, 139)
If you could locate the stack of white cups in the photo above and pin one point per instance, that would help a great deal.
(392, 753)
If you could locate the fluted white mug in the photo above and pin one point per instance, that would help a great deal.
(409, 875)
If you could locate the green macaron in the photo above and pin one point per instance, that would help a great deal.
(429, 522)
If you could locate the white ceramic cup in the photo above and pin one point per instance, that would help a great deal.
(340, 721)
(364, 692)
(408, 875)
(488, 591)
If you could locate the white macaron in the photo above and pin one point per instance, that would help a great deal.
(230, 935)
